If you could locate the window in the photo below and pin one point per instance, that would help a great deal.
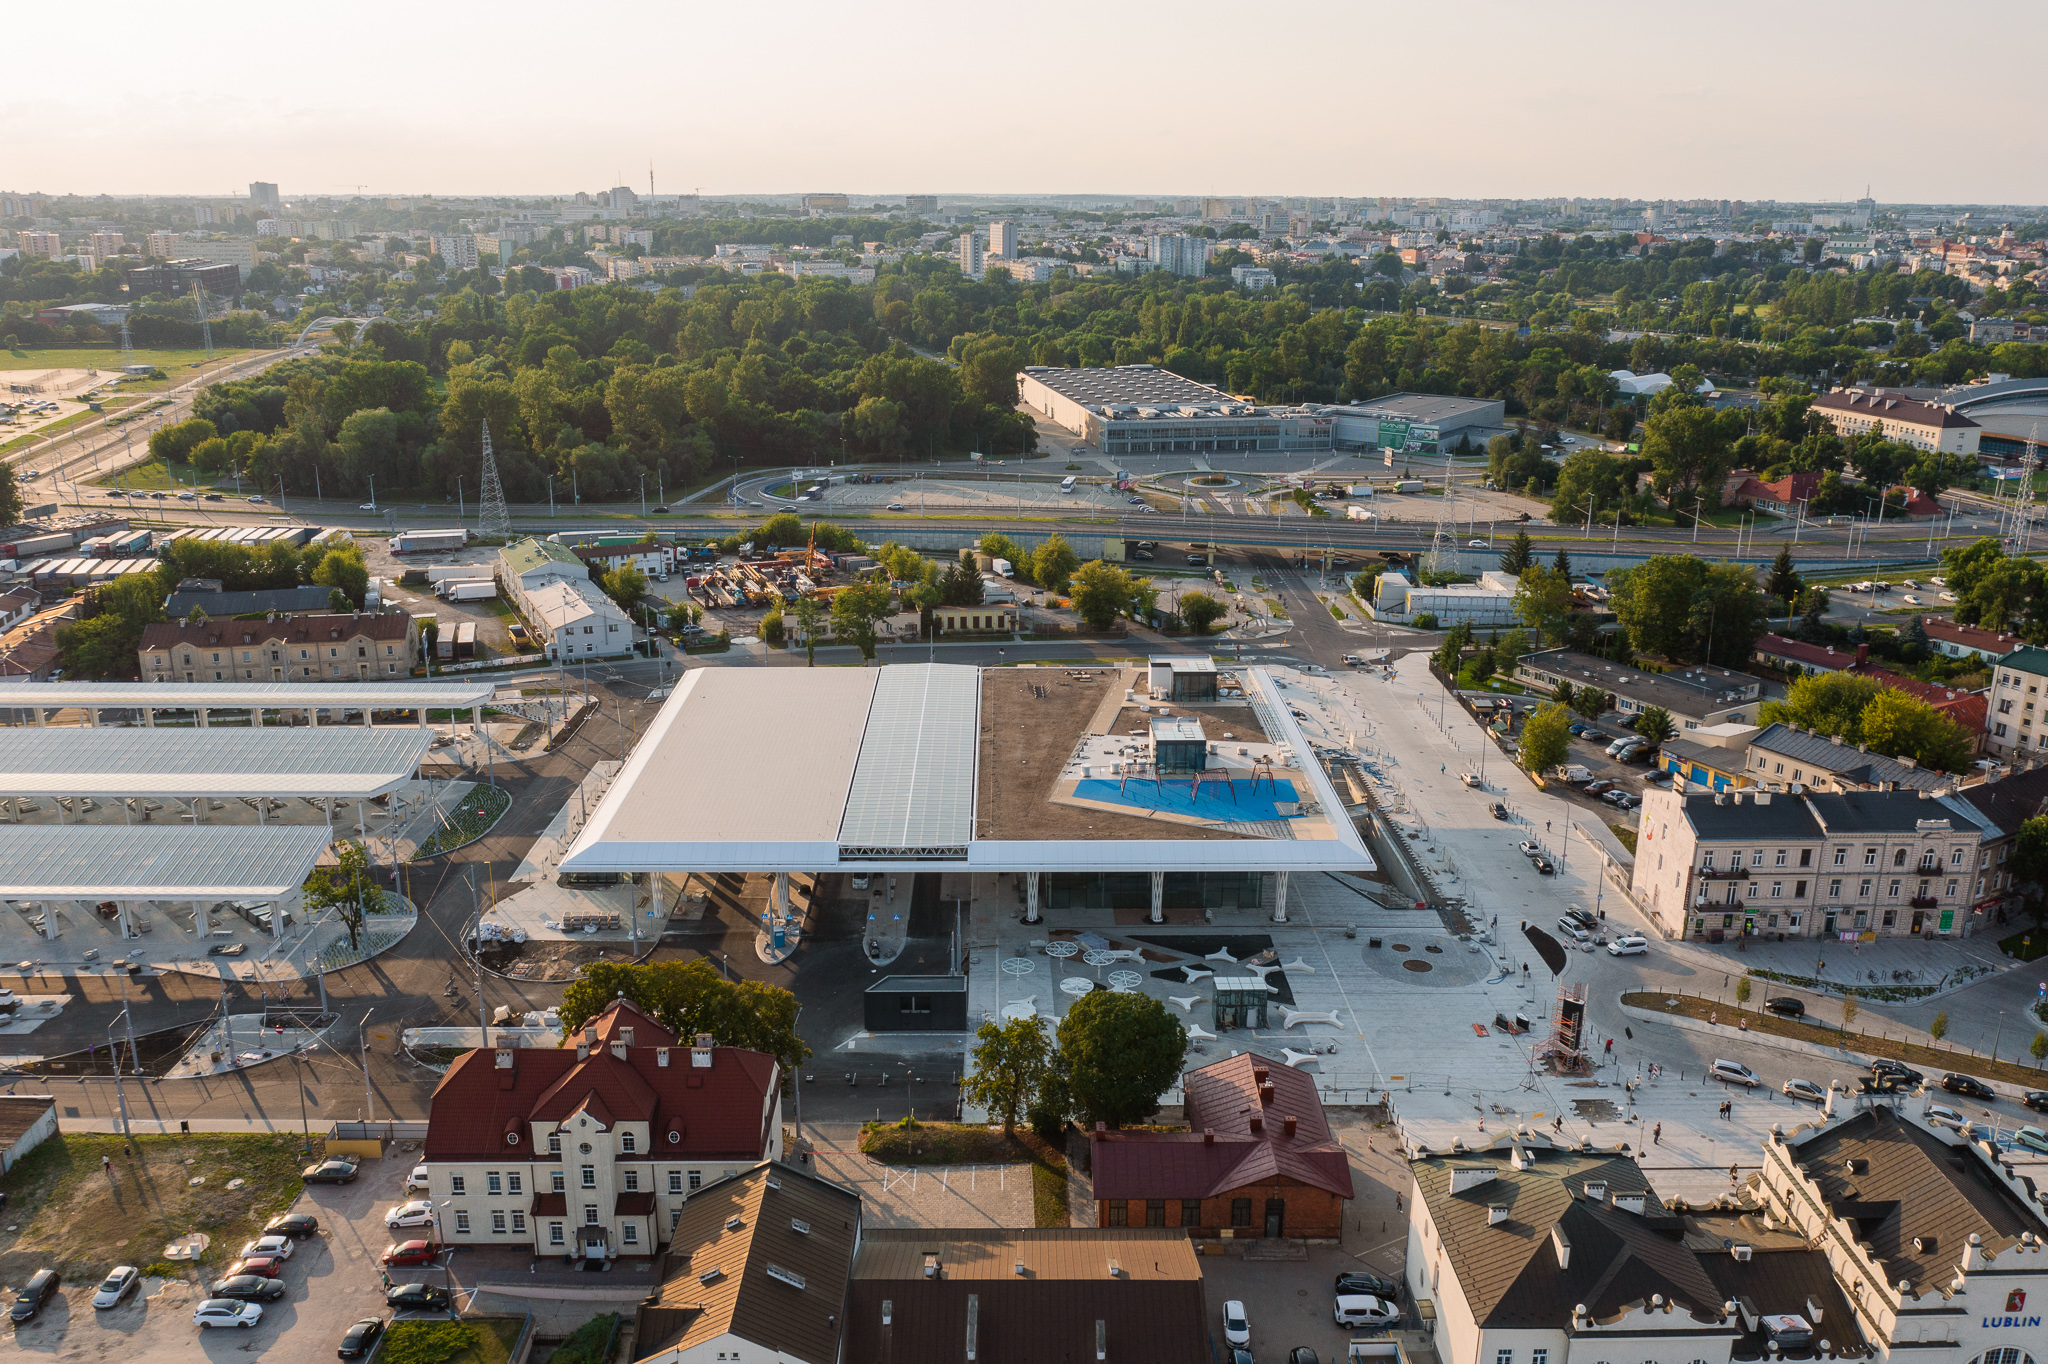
(1951, 888)
(1806, 857)
(632, 1233)
(455, 1184)
(1119, 1215)
(1240, 1212)
(590, 1176)
(1841, 856)
(557, 1183)
(628, 1142)
(1707, 860)
(1864, 892)
(696, 1180)
(492, 1183)
(675, 1215)
(1792, 921)
(1870, 857)
(1756, 857)
(1539, 1357)
(497, 1222)
(1799, 890)
(1503, 1357)
(1955, 856)
(1155, 1212)
(632, 1181)
(555, 1142)
(1895, 889)
(462, 1220)
(1781, 858)
(675, 1181)
(1835, 889)
(590, 1214)
(1777, 890)
(1863, 918)
(1899, 857)
(554, 1233)
(1191, 1212)
(519, 1222)
(515, 1182)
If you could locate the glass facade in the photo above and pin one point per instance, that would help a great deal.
(1133, 890)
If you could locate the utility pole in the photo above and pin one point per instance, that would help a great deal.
(476, 932)
(363, 1042)
(120, 1094)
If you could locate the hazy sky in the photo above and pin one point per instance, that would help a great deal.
(1647, 98)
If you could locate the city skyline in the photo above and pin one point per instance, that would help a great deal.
(1577, 101)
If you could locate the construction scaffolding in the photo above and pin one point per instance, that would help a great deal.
(1565, 1049)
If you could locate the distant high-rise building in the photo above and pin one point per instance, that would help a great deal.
(262, 195)
(1219, 209)
(202, 215)
(921, 203)
(1182, 255)
(1144, 206)
(971, 258)
(104, 244)
(162, 245)
(1002, 240)
(456, 252)
(40, 244)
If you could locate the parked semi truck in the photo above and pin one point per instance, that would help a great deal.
(467, 589)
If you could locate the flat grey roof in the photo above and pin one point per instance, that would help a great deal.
(1432, 409)
(351, 762)
(149, 862)
(1127, 384)
(20, 691)
(913, 784)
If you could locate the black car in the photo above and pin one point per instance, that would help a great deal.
(329, 1172)
(1786, 1005)
(249, 1288)
(417, 1296)
(1301, 1354)
(40, 1288)
(1968, 1084)
(1498, 810)
(1358, 1281)
(298, 1224)
(2036, 1099)
(361, 1338)
(1542, 864)
(1886, 1068)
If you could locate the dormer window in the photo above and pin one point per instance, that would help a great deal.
(627, 1143)
(555, 1142)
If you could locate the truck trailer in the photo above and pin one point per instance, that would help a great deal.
(428, 541)
(440, 573)
(467, 589)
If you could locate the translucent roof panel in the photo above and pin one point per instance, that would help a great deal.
(913, 786)
(20, 691)
(148, 862)
(352, 762)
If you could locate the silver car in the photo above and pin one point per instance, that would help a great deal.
(117, 1285)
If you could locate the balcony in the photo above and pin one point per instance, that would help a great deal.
(1923, 902)
(1722, 873)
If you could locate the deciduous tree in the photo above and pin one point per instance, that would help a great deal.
(1546, 738)
(1122, 1052)
(1009, 1065)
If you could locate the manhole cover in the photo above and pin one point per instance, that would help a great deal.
(1416, 966)
(1432, 947)
(1402, 947)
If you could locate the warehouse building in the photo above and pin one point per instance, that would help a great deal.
(1145, 410)
(1416, 423)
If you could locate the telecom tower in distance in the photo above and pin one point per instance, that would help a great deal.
(492, 517)
(127, 346)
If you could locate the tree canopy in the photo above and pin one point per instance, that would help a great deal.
(688, 998)
(1121, 1053)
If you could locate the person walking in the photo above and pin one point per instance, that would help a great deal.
(1657, 1135)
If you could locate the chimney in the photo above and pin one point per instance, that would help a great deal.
(1562, 1244)
(1596, 1189)
(931, 1264)
(1862, 653)
(1629, 1202)
(619, 1050)
(1814, 1313)
(1260, 1075)
(973, 1323)
(1258, 1123)
(1266, 1094)
(1116, 1271)
(626, 1036)
(583, 1049)
(1763, 798)
(1287, 1126)
(1496, 1213)
(1973, 1253)
(1208, 1136)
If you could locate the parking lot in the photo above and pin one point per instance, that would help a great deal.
(332, 1281)
(1590, 752)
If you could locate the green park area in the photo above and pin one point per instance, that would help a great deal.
(109, 359)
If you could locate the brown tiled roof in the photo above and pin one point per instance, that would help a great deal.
(720, 1111)
(1910, 1185)
(718, 1277)
(1890, 408)
(1970, 636)
(635, 1204)
(1509, 1269)
(19, 1112)
(1223, 1152)
(1966, 708)
(551, 1205)
(1153, 1312)
(216, 634)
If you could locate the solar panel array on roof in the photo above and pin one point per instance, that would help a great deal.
(913, 784)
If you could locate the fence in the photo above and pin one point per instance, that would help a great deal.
(377, 1131)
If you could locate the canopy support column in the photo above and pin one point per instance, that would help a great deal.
(149, 717)
(92, 717)
(255, 717)
(125, 911)
(1158, 897)
(1030, 897)
(41, 719)
(202, 716)
(1279, 897)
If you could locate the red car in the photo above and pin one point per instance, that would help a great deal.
(409, 1253)
(269, 1266)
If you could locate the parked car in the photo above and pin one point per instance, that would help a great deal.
(339, 1170)
(255, 497)
(226, 1312)
(300, 1224)
(1301, 1354)
(418, 1213)
(118, 1284)
(897, 506)
(1573, 931)
(1576, 728)
(214, 497)
(2036, 1099)
(1805, 1089)
(416, 1182)
(420, 1297)
(280, 1246)
(1592, 736)
(1787, 1006)
(1542, 865)
(40, 1288)
(2033, 1138)
(268, 1266)
(1363, 1309)
(1529, 849)
(1941, 1115)
(1734, 1073)
(409, 1253)
(1594, 788)
(1629, 945)
(1358, 1281)
(1621, 800)
(1497, 810)
(1969, 1085)
(1237, 1328)
(1904, 1074)
(249, 1288)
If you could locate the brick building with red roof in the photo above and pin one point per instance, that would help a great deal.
(1258, 1160)
(593, 1151)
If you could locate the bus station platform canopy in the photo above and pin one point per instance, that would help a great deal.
(155, 862)
(346, 762)
(464, 695)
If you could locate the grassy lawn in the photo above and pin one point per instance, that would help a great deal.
(2025, 945)
(483, 1340)
(967, 1144)
(73, 1216)
(479, 811)
(110, 359)
(1626, 835)
(1914, 1054)
(153, 474)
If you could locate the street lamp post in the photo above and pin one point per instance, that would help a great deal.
(120, 1094)
(363, 1043)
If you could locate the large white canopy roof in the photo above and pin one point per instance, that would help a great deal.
(350, 762)
(20, 691)
(148, 862)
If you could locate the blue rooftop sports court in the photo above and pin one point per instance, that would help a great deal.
(1174, 797)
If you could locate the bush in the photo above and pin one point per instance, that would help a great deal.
(1425, 621)
(772, 629)
(586, 1345)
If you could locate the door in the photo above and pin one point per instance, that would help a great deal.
(1918, 920)
(1276, 1217)
(1828, 927)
